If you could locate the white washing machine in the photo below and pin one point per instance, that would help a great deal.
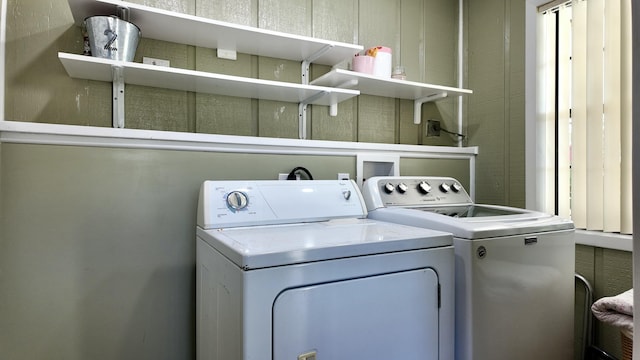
(514, 267)
(293, 270)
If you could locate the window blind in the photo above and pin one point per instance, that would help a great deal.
(592, 113)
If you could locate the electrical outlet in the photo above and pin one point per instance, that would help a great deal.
(284, 176)
(433, 128)
(343, 176)
(227, 54)
(154, 61)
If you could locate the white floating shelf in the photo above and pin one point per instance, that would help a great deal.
(387, 87)
(93, 68)
(193, 30)
(420, 93)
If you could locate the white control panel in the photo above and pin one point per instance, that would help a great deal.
(384, 191)
(264, 202)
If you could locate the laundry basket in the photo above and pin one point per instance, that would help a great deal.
(627, 346)
(617, 311)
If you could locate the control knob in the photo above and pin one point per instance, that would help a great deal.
(456, 187)
(424, 187)
(445, 187)
(402, 188)
(388, 188)
(237, 200)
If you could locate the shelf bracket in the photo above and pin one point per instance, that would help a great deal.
(307, 62)
(302, 113)
(117, 73)
(417, 105)
(118, 96)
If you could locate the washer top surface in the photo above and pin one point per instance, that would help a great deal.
(441, 203)
(258, 224)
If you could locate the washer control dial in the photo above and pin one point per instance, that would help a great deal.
(424, 187)
(388, 188)
(456, 187)
(402, 188)
(445, 187)
(237, 200)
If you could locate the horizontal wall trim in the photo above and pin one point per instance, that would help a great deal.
(604, 240)
(73, 135)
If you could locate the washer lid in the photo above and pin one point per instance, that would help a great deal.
(475, 221)
(265, 246)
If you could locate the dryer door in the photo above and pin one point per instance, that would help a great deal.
(382, 317)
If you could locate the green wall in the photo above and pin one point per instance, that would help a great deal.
(495, 40)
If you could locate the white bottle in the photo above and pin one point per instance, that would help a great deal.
(382, 62)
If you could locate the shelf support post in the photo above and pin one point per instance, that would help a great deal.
(302, 113)
(118, 96)
(307, 62)
(417, 105)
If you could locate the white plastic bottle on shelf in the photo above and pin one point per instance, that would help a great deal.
(382, 62)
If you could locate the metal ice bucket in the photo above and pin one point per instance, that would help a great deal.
(112, 38)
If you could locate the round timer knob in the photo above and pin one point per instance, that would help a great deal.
(424, 187)
(388, 188)
(402, 187)
(456, 187)
(445, 187)
(237, 200)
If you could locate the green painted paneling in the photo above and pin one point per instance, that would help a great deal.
(441, 42)
(412, 34)
(409, 132)
(243, 12)
(486, 130)
(276, 118)
(516, 152)
(495, 32)
(181, 6)
(290, 16)
(376, 119)
(219, 114)
(336, 20)
(514, 109)
(37, 89)
(444, 112)
(458, 169)
(379, 23)
(341, 127)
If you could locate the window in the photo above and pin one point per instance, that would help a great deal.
(586, 112)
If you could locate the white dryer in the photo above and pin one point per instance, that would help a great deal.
(292, 270)
(514, 267)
